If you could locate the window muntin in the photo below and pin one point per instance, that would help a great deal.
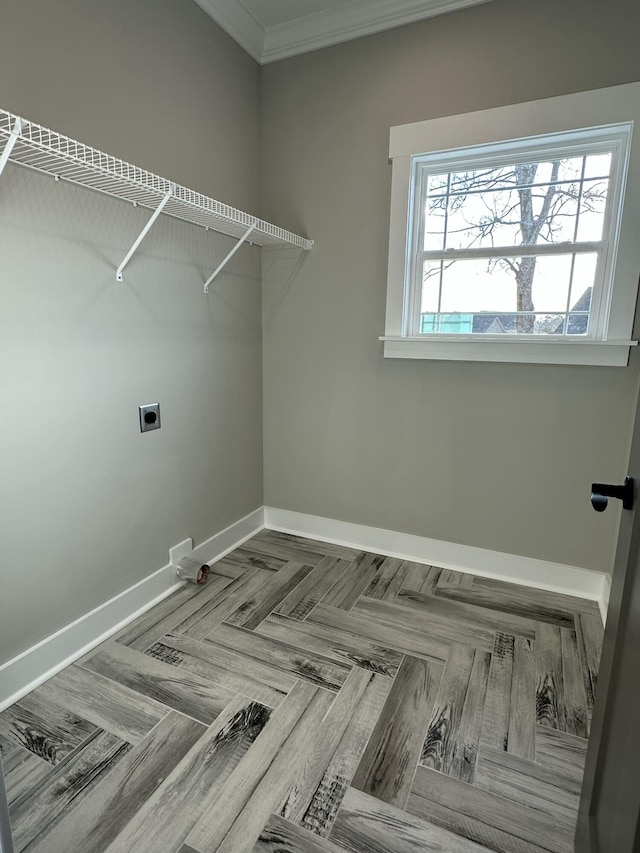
(515, 238)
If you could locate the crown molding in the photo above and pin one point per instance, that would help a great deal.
(238, 23)
(321, 29)
(344, 23)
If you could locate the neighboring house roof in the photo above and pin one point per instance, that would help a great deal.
(494, 324)
(500, 324)
(578, 324)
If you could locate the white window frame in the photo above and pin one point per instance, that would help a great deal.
(615, 139)
(446, 141)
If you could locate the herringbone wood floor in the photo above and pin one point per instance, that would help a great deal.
(315, 698)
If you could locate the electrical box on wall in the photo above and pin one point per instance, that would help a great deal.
(149, 416)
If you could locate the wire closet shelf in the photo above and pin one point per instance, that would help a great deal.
(31, 145)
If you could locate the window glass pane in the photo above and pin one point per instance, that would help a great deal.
(499, 323)
(493, 285)
(467, 286)
(592, 207)
(569, 169)
(447, 324)
(577, 324)
(430, 301)
(584, 275)
(508, 295)
(481, 220)
(481, 179)
(437, 184)
(551, 280)
(435, 223)
(598, 166)
(523, 204)
(555, 209)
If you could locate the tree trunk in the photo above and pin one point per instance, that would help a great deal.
(524, 282)
(526, 271)
(530, 226)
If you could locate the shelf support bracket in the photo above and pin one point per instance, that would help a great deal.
(156, 213)
(11, 141)
(221, 266)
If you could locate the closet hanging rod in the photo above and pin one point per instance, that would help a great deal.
(28, 144)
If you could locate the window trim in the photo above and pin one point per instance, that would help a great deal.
(520, 124)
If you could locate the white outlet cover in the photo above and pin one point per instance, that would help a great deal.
(180, 551)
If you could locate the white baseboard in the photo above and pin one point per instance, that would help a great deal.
(35, 665)
(221, 544)
(603, 601)
(541, 574)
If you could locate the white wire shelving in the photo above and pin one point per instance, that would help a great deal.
(28, 144)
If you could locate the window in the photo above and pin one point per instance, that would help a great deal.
(515, 239)
(507, 248)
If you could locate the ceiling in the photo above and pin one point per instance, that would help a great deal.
(275, 29)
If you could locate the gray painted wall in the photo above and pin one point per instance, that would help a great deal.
(88, 505)
(492, 455)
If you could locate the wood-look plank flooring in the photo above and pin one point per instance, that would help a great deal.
(315, 699)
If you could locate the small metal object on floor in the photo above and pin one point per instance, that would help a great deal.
(192, 571)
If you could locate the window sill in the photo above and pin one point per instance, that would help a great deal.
(567, 351)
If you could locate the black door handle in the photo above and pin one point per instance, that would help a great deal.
(601, 492)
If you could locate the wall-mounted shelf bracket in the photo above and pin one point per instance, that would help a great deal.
(11, 141)
(223, 264)
(156, 213)
(28, 144)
